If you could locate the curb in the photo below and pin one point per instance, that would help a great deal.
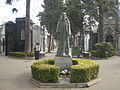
(64, 85)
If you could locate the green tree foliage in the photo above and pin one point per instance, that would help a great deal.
(9, 2)
(97, 10)
(104, 6)
(76, 14)
(103, 49)
(76, 10)
(50, 16)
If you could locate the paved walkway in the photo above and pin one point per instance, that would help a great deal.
(15, 74)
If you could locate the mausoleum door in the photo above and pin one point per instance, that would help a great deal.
(9, 42)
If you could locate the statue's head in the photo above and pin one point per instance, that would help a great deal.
(63, 16)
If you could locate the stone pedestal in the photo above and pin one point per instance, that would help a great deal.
(63, 62)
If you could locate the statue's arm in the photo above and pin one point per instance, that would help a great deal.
(69, 27)
(58, 26)
(58, 30)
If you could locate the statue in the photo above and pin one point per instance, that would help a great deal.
(63, 35)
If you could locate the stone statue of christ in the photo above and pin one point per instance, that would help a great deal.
(63, 35)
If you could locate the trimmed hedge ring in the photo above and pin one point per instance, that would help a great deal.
(81, 71)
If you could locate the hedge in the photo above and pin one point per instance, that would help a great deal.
(44, 71)
(85, 71)
(21, 54)
(99, 54)
(17, 54)
(111, 53)
(81, 71)
(45, 61)
(103, 50)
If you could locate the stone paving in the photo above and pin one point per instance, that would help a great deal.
(15, 74)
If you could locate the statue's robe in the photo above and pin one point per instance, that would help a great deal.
(63, 34)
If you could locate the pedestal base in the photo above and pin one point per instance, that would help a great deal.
(63, 62)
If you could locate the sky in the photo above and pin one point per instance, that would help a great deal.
(7, 15)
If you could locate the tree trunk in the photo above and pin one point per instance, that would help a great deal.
(53, 46)
(27, 28)
(49, 45)
(83, 38)
(101, 26)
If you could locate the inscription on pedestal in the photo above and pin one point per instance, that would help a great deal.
(63, 62)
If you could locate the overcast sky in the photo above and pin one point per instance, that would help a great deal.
(7, 15)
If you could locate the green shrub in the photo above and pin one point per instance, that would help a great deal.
(44, 71)
(45, 61)
(112, 53)
(21, 54)
(104, 46)
(17, 54)
(99, 54)
(85, 71)
(31, 54)
(104, 49)
(94, 53)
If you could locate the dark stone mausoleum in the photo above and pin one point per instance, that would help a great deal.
(15, 35)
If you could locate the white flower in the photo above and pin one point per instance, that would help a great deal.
(63, 72)
(66, 70)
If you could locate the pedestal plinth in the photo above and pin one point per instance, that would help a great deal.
(63, 62)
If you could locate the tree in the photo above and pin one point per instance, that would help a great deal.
(95, 9)
(104, 6)
(100, 8)
(27, 24)
(75, 12)
(49, 17)
(27, 28)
